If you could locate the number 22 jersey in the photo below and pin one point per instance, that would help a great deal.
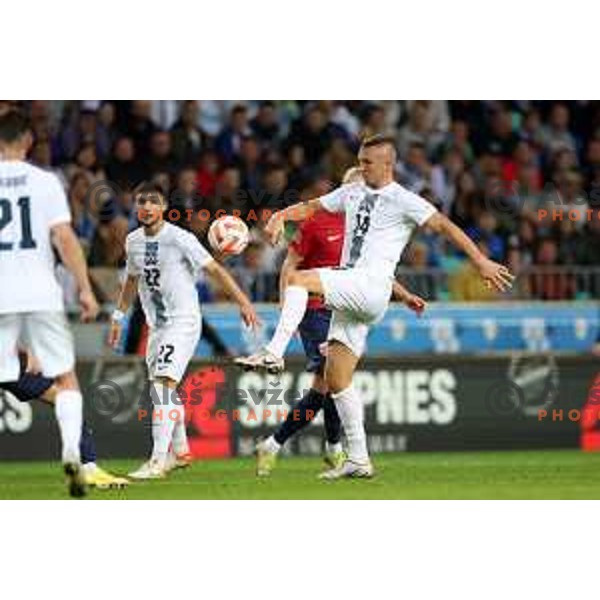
(168, 265)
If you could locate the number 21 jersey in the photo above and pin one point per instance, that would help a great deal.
(32, 201)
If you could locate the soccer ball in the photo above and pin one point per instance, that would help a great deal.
(228, 236)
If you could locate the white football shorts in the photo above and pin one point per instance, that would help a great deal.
(45, 334)
(170, 349)
(358, 300)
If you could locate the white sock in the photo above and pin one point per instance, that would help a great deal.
(68, 409)
(89, 468)
(180, 442)
(165, 413)
(294, 307)
(333, 448)
(350, 409)
(271, 445)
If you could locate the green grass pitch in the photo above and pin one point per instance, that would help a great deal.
(486, 475)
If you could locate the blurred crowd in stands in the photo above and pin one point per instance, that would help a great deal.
(522, 178)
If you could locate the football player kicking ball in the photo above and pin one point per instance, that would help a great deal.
(30, 385)
(35, 220)
(163, 264)
(380, 216)
(318, 243)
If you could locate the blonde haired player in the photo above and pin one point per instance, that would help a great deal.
(163, 264)
(380, 217)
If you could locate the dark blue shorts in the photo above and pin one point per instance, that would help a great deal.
(313, 332)
(29, 386)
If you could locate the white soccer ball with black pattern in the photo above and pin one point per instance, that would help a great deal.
(228, 236)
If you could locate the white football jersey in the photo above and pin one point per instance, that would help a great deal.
(168, 266)
(378, 224)
(32, 201)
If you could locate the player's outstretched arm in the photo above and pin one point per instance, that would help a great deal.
(71, 254)
(492, 273)
(126, 298)
(410, 300)
(233, 291)
(296, 212)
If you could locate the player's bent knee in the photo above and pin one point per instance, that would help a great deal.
(335, 381)
(67, 381)
(298, 278)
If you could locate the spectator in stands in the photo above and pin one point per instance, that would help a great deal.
(82, 206)
(249, 165)
(229, 141)
(486, 231)
(550, 283)
(374, 121)
(123, 168)
(313, 133)
(415, 171)
(466, 285)
(508, 158)
(161, 158)
(188, 140)
(265, 125)
(139, 125)
(208, 173)
(458, 140)
(338, 159)
(419, 130)
(86, 131)
(107, 248)
(556, 134)
(250, 272)
(500, 138)
(298, 172)
(420, 280)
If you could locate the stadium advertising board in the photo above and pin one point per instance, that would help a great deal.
(414, 404)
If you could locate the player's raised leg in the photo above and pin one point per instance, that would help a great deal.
(295, 300)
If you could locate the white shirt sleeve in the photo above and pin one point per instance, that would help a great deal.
(57, 207)
(194, 252)
(417, 209)
(334, 201)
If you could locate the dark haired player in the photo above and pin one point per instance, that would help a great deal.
(163, 264)
(35, 220)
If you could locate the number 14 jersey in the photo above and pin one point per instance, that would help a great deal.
(379, 224)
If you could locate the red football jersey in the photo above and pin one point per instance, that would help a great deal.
(319, 241)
